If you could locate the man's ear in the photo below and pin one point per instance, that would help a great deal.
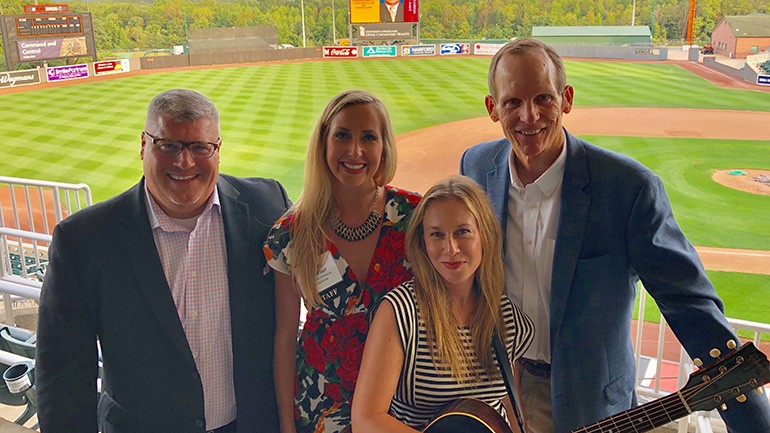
(489, 102)
(566, 99)
(141, 151)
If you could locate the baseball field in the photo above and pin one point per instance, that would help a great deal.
(682, 126)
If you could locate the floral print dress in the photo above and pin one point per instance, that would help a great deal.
(331, 343)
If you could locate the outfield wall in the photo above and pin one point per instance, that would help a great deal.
(745, 73)
(484, 48)
(229, 57)
(613, 52)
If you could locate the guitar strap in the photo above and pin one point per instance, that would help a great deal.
(505, 368)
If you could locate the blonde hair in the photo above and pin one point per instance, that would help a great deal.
(434, 303)
(313, 208)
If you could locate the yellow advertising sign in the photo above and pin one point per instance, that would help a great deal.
(364, 11)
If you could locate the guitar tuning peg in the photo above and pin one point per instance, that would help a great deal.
(741, 398)
(723, 407)
(715, 353)
(731, 344)
(698, 363)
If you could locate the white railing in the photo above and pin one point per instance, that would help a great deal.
(701, 419)
(37, 205)
(29, 210)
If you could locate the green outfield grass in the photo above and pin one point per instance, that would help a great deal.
(709, 213)
(745, 297)
(89, 132)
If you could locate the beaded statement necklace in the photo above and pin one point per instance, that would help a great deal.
(355, 234)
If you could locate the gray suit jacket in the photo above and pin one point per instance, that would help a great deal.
(105, 281)
(615, 227)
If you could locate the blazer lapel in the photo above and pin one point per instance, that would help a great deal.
(235, 215)
(573, 214)
(137, 242)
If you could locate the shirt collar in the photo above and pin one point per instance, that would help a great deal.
(548, 181)
(159, 218)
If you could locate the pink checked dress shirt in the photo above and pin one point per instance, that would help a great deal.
(194, 258)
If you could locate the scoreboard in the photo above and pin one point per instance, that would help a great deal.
(49, 32)
(53, 25)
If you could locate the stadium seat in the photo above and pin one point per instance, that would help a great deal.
(18, 341)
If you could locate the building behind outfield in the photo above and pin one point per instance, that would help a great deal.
(736, 37)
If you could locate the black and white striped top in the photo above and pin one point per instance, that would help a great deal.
(424, 388)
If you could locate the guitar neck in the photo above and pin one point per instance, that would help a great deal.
(641, 418)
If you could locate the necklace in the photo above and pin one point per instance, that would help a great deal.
(354, 234)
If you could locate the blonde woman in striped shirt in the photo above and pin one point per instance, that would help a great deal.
(431, 342)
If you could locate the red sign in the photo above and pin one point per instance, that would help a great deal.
(45, 9)
(340, 52)
(411, 11)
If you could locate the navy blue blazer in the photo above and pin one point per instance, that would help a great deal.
(105, 280)
(615, 227)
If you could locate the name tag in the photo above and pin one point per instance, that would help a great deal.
(328, 275)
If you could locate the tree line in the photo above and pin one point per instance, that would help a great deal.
(121, 25)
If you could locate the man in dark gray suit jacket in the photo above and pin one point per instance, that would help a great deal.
(166, 283)
(582, 225)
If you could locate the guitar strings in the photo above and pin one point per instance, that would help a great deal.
(676, 409)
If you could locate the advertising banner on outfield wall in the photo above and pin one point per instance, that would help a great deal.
(763, 80)
(482, 49)
(380, 51)
(111, 67)
(61, 73)
(384, 11)
(418, 50)
(454, 49)
(340, 52)
(42, 49)
(19, 78)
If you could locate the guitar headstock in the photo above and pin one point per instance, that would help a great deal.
(743, 371)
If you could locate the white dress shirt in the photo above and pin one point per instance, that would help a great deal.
(530, 236)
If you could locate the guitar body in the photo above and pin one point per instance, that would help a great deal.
(467, 415)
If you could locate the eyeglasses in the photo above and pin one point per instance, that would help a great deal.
(171, 148)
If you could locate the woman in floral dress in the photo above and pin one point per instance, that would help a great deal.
(339, 249)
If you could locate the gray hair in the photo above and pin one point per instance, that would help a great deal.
(182, 105)
(524, 46)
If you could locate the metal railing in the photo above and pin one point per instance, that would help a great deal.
(29, 210)
(38, 205)
(701, 419)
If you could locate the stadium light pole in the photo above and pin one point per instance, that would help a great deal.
(302, 5)
(186, 35)
(633, 12)
(334, 25)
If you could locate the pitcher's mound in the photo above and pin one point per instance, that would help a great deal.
(745, 179)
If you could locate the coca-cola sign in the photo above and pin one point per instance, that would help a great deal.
(340, 52)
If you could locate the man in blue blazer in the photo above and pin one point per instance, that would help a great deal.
(168, 285)
(582, 225)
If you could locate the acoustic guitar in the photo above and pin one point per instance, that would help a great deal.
(710, 387)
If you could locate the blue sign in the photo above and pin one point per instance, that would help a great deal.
(380, 51)
(763, 80)
(418, 50)
(455, 49)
